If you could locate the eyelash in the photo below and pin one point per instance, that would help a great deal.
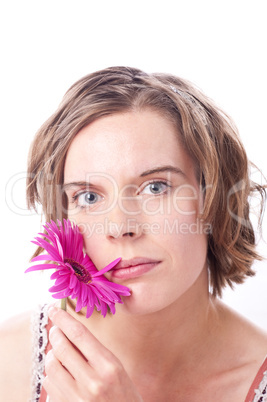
(165, 183)
(161, 182)
(79, 194)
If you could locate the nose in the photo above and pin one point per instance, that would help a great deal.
(123, 229)
(122, 223)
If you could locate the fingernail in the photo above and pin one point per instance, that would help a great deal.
(52, 329)
(51, 312)
(51, 334)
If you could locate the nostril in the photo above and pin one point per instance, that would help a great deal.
(131, 234)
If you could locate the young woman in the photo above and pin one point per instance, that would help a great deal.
(154, 173)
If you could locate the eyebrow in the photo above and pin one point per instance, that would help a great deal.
(75, 184)
(160, 169)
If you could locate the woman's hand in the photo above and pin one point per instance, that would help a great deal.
(80, 368)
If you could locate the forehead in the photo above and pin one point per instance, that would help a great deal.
(125, 143)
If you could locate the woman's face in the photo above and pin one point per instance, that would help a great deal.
(133, 191)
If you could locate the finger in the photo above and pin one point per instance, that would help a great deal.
(53, 392)
(97, 355)
(57, 379)
(68, 358)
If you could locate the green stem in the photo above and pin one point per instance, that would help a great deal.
(63, 304)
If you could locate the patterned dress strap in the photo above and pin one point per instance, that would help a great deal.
(40, 328)
(258, 389)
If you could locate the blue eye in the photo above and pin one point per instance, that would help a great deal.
(85, 199)
(157, 187)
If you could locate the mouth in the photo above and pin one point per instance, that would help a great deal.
(134, 267)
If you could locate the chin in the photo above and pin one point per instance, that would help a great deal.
(142, 302)
(135, 308)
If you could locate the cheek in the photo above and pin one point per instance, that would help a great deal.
(184, 237)
(187, 201)
(185, 240)
(178, 217)
(184, 203)
(92, 230)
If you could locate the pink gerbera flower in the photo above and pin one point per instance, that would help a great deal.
(76, 275)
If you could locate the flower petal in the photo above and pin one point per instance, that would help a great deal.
(59, 287)
(60, 273)
(112, 308)
(90, 310)
(48, 247)
(62, 295)
(43, 257)
(73, 281)
(120, 289)
(104, 308)
(41, 267)
(107, 268)
(75, 274)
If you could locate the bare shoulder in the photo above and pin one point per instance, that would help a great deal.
(245, 346)
(246, 333)
(16, 357)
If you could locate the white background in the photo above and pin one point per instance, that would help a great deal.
(48, 45)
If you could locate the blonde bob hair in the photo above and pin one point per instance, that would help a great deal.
(208, 135)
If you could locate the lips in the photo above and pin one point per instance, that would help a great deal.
(133, 262)
(134, 267)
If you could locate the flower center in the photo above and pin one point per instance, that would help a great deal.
(82, 273)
